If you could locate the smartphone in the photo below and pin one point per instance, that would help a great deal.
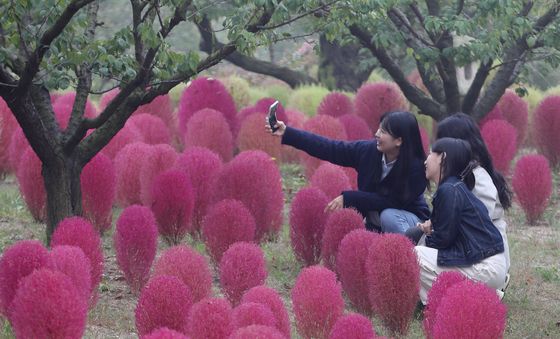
(272, 116)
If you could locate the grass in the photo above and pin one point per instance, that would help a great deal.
(533, 297)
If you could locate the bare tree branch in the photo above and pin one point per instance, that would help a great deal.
(136, 20)
(403, 24)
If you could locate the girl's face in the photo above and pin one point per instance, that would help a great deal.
(433, 166)
(386, 143)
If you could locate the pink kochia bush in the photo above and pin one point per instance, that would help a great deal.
(331, 179)
(160, 107)
(354, 326)
(208, 128)
(257, 332)
(532, 184)
(374, 99)
(227, 222)
(18, 261)
(307, 223)
(18, 143)
(207, 93)
(165, 302)
(501, 139)
(339, 223)
(210, 318)
(470, 310)
(189, 266)
(435, 295)
(494, 114)
(335, 104)
(254, 179)
(128, 162)
(31, 184)
(173, 203)
(70, 97)
(252, 313)
(317, 300)
(202, 166)
(516, 111)
(253, 136)
(8, 125)
(356, 128)
(351, 267)
(153, 129)
(72, 261)
(393, 276)
(270, 298)
(135, 240)
(127, 135)
(161, 157)
(242, 267)
(76, 231)
(98, 184)
(165, 333)
(48, 305)
(546, 126)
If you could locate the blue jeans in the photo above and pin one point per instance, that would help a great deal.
(397, 221)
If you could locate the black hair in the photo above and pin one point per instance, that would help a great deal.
(462, 126)
(405, 126)
(456, 161)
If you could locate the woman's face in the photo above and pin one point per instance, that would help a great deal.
(386, 143)
(433, 166)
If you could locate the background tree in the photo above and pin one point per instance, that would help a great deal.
(48, 45)
(447, 39)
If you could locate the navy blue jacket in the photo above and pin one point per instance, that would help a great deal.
(373, 193)
(462, 230)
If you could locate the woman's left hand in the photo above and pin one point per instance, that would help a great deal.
(336, 204)
(426, 226)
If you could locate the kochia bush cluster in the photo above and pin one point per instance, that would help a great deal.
(339, 223)
(532, 185)
(210, 318)
(546, 127)
(374, 99)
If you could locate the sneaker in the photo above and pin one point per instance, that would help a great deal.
(506, 283)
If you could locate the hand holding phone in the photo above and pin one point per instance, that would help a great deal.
(272, 116)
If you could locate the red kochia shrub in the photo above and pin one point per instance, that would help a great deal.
(173, 203)
(335, 104)
(8, 125)
(331, 179)
(351, 267)
(161, 107)
(546, 127)
(254, 179)
(72, 261)
(208, 128)
(470, 310)
(393, 276)
(374, 99)
(227, 222)
(352, 325)
(69, 98)
(47, 305)
(425, 139)
(326, 126)
(207, 93)
(253, 136)
(31, 184)
(165, 302)
(339, 223)
(317, 300)
(165, 333)
(435, 295)
(76, 231)
(160, 158)
(494, 114)
(516, 111)
(202, 166)
(153, 129)
(127, 135)
(307, 223)
(135, 242)
(242, 267)
(251, 313)
(501, 139)
(356, 128)
(128, 162)
(17, 262)
(17, 144)
(270, 298)
(262, 106)
(257, 332)
(532, 184)
(210, 318)
(98, 184)
(188, 265)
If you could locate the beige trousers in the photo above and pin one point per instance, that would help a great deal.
(491, 271)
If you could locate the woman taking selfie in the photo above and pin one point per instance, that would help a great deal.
(460, 235)
(391, 180)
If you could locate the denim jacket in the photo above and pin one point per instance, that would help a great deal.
(462, 230)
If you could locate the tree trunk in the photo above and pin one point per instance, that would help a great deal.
(62, 185)
(338, 67)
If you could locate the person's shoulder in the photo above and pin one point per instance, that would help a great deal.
(480, 173)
